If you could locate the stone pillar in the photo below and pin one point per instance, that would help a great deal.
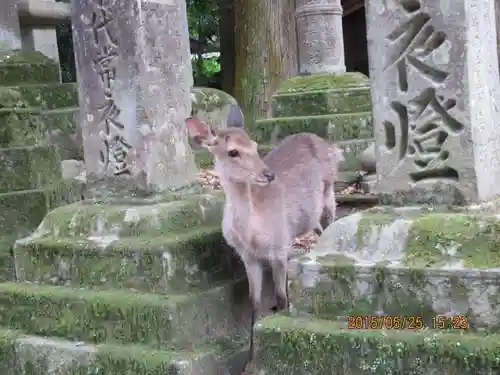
(10, 33)
(134, 79)
(435, 99)
(319, 37)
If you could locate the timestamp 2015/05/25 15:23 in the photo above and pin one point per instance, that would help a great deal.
(408, 322)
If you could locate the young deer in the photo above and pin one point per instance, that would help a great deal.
(270, 201)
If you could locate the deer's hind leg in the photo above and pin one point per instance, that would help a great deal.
(329, 205)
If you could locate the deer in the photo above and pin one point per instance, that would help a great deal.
(269, 201)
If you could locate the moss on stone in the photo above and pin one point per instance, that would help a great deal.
(29, 168)
(156, 219)
(25, 67)
(49, 96)
(207, 99)
(21, 127)
(288, 346)
(170, 263)
(22, 211)
(327, 102)
(111, 316)
(27, 355)
(370, 222)
(438, 239)
(333, 127)
(319, 82)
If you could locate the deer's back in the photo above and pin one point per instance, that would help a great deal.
(302, 163)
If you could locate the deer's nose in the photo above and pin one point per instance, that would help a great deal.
(268, 174)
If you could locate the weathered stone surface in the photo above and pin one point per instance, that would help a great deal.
(322, 95)
(10, 33)
(291, 346)
(104, 222)
(29, 168)
(319, 36)
(110, 316)
(212, 106)
(166, 264)
(367, 160)
(434, 97)
(25, 67)
(339, 127)
(27, 355)
(135, 75)
(414, 262)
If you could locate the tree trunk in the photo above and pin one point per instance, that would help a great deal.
(266, 52)
(226, 38)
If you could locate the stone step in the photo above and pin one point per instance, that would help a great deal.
(294, 346)
(176, 321)
(22, 211)
(23, 354)
(44, 96)
(322, 94)
(25, 67)
(322, 102)
(103, 222)
(31, 167)
(404, 262)
(164, 264)
(338, 127)
(36, 126)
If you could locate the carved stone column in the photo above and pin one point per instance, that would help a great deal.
(319, 37)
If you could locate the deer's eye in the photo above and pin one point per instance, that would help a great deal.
(233, 153)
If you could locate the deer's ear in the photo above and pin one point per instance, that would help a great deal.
(200, 133)
(235, 117)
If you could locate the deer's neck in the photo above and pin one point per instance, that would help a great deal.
(239, 198)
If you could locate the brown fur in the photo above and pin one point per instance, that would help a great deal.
(262, 218)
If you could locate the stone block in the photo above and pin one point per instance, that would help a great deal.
(322, 95)
(291, 346)
(29, 168)
(434, 98)
(21, 127)
(166, 264)
(27, 355)
(48, 96)
(176, 321)
(22, 211)
(64, 131)
(24, 67)
(10, 34)
(99, 220)
(352, 150)
(135, 91)
(406, 262)
(340, 127)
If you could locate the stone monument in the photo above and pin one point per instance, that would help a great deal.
(139, 271)
(435, 112)
(134, 77)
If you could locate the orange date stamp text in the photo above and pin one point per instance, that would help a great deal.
(406, 322)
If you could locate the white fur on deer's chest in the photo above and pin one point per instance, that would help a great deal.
(251, 236)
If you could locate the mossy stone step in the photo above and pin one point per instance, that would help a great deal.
(23, 354)
(164, 264)
(35, 126)
(322, 102)
(322, 94)
(44, 96)
(32, 167)
(334, 127)
(22, 211)
(173, 322)
(413, 261)
(104, 220)
(294, 346)
(24, 67)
